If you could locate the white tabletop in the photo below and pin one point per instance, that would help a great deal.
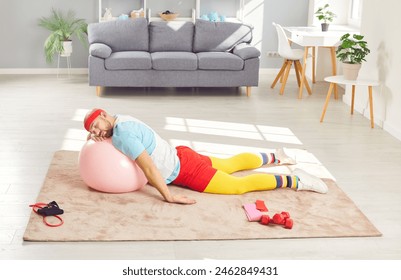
(314, 36)
(357, 82)
(318, 29)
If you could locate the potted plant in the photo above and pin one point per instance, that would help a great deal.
(325, 15)
(62, 28)
(351, 52)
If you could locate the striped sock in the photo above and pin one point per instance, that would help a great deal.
(269, 158)
(286, 181)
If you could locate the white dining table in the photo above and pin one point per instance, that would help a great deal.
(312, 37)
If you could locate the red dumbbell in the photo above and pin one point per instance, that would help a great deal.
(278, 219)
(283, 219)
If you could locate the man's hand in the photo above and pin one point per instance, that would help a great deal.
(95, 138)
(182, 200)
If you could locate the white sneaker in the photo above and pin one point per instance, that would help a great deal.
(309, 182)
(284, 158)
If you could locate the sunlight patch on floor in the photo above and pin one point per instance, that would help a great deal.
(305, 160)
(74, 139)
(80, 115)
(232, 129)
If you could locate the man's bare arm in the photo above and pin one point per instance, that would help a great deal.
(156, 180)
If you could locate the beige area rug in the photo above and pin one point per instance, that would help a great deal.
(142, 215)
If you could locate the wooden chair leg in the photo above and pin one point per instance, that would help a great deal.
(280, 74)
(306, 52)
(297, 73)
(287, 71)
(305, 80)
(307, 86)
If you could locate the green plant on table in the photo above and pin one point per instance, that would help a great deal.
(353, 49)
(324, 14)
(62, 27)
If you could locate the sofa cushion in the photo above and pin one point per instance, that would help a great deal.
(220, 36)
(219, 61)
(171, 36)
(121, 35)
(174, 61)
(100, 50)
(136, 60)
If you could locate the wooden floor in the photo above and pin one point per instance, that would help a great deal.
(42, 114)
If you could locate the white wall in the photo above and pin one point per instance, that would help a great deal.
(22, 39)
(26, 51)
(380, 21)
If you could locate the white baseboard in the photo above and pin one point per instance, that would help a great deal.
(41, 71)
(393, 130)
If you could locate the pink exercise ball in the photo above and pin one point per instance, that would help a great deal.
(106, 169)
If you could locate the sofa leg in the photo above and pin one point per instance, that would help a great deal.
(248, 91)
(98, 90)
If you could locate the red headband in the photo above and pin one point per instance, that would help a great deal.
(91, 118)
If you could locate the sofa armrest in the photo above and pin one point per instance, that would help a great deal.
(246, 51)
(99, 50)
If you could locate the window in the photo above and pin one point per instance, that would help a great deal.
(355, 12)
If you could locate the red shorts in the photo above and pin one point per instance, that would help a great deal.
(196, 170)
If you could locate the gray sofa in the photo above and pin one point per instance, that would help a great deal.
(133, 53)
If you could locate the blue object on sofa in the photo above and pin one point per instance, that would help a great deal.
(133, 53)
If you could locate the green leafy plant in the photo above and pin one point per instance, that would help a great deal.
(353, 49)
(324, 14)
(62, 27)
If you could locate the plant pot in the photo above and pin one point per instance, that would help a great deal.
(67, 46)
(351, 71)
(325, 27)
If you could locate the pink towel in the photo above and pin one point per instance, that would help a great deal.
(251, 212)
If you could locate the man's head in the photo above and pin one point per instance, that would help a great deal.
(99, 123)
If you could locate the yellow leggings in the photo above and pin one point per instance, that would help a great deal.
(224, 183)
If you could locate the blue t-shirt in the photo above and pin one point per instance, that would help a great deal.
(132, 137)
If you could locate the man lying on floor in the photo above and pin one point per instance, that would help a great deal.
(163, 164)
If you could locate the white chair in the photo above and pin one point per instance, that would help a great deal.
(290, 56)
